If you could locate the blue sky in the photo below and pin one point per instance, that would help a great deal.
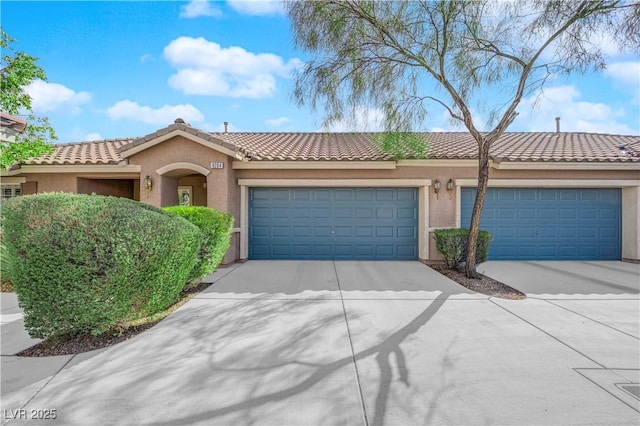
(121, 69)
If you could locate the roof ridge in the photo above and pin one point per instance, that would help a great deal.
(94, 141)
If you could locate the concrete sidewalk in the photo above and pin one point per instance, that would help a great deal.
(356, 343)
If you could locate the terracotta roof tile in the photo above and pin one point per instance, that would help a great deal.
(16, 123)
(95, 152)
(538, 146)
(305, 146)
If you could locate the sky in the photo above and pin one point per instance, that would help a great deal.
(128, 68)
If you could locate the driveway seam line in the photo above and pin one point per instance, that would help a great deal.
(48, 381)
(548, 334)
(591, 319)
(353, 353)
(577, 370)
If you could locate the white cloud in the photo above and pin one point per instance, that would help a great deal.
(47, 97)
(93, 136)
(206, 68)
(626, 74)
(538, 112)
(197, 8)
(277, 122)
(257, 7)
(163, 116)
(146, 58)
(362, 119)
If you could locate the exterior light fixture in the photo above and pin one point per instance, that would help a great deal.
(436, 187)
(148, 183)
(451, 185)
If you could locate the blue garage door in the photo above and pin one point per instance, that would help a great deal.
(549, 223)
(333, 223)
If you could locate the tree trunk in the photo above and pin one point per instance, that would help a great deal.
(474, 228)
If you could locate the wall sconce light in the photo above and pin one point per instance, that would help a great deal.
(148, 183)
(436, 187)
(451, 185)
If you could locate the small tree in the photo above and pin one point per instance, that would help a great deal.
(17, 70)
(381, 53)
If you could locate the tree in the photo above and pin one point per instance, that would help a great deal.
(17, 70)
(371, 53)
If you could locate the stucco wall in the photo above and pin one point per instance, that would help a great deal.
(114, 187)
(221, 192)
(52, 182)
(631, 223)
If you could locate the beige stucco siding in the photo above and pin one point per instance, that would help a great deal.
(631, 223)
(50, 182)
(222, 192)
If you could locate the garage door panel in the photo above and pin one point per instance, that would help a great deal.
(407, 251)
(407, 194)
(322, 213)
(343, 195)
(343, 231)
(340, 223)
(322, 250)
(364, 194)
(322, 195)
(407, 231)
(364, 250)
(406, 213)
(551, 223)
(364, 213)
(364, 231)
(301, 194)
(384, 213)
(343, 213)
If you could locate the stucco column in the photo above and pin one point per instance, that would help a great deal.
(631, 223)
(152, 196)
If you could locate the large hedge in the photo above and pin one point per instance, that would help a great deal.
(216, 227)
(84, 263)
(452, 244)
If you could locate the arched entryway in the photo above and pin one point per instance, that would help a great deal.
(183, 184)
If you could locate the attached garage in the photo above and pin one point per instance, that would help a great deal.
(333, 223)
(549, 223)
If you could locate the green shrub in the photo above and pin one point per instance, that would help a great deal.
(216, 227)
(85, 263)
(5, 263)
(452, 244)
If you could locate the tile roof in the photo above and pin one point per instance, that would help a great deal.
(94, 152)
(11, 121)
(306, 146)
(538, 146)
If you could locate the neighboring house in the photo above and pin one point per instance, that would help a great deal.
(336, 195)
(10, 127)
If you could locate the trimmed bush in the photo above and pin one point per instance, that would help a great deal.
(5, 263)
(216, 227)
(452, 244)
(84, 263)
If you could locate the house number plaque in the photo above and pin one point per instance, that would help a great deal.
(217, 165)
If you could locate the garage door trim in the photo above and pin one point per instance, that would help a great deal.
(423, 201)
(541, 183)
(533, 223)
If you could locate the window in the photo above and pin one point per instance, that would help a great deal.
(10, 191)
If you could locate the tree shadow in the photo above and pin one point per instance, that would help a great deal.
(267, 352)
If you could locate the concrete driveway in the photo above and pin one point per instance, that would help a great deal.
(395, 343)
